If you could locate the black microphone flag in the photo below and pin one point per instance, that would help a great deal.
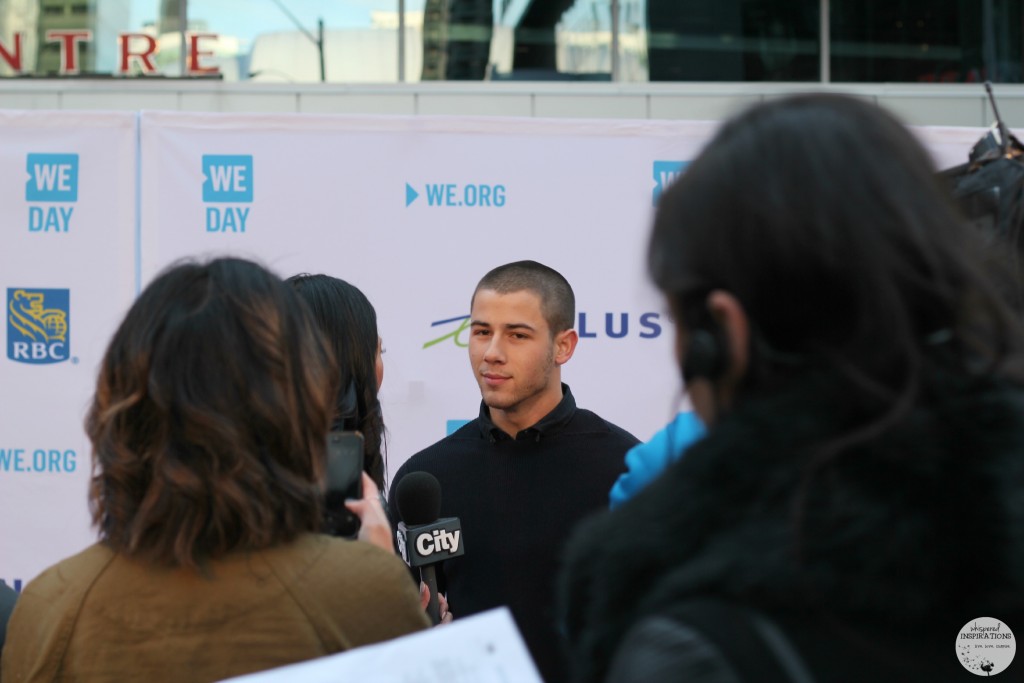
(423, 539)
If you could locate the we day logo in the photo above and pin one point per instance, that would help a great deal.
(227, 179)
(52, 184)
(665, 173)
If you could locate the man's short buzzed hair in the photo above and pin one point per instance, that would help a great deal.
(558, 303)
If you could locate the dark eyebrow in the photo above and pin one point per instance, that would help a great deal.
(520, 326)
(510, 326)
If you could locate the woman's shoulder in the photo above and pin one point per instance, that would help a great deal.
(70, 576)
(315, 557)
(47, 606)
(321, 565)
(354, 589)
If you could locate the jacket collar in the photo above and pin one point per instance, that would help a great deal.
(552, 423)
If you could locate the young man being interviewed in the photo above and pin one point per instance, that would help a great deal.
(530, 466)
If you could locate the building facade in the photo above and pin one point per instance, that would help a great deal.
(621, 58)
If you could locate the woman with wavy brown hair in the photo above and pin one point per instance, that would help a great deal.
(208, 428)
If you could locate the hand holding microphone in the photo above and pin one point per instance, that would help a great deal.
(442, 602)
(423, 539)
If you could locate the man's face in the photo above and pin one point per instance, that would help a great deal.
(514, 358)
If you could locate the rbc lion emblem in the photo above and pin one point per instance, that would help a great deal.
(37, 325)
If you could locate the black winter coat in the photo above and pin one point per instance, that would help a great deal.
(871, 566)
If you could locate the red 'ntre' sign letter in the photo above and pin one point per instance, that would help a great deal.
(69, 47)
(13, 61)
(194, 54)
(143, 58)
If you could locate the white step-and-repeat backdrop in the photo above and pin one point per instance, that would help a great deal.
(413, 210)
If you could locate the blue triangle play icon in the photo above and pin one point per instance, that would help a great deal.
(410, 194)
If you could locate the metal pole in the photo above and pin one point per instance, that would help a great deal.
(317, 40)
(988, 41)
(401, 41)
(826, 42)
(320, 47)
(183, 25)
(615, 40)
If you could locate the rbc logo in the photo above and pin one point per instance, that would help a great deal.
(38, 325)
(665, 173)
(227, 178)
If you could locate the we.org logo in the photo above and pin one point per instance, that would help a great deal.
(38, 460)
(227, 179)
(466, 195)
(52, 179)
(38, 325)
(665, 173)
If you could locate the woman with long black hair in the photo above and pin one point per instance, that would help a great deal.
(858, 496)
(349, 324)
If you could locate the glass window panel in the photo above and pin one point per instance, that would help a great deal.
(633, 41)
(516, 39)
(658, 40)
(742, 40)
(583, 41)
(551, 40)
(456, 39)
(926, 41)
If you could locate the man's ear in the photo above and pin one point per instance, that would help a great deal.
(732, 320)
(565, 345)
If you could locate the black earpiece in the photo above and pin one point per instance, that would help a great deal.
(705, 357)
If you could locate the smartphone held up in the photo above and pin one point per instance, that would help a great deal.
(344, 482)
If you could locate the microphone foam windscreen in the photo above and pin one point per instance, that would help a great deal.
(418, 496)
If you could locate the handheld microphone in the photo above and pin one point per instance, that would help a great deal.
(423, 539)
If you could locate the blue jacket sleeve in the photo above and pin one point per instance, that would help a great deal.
(644, 462)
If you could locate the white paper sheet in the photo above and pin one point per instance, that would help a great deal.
(484, 648)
